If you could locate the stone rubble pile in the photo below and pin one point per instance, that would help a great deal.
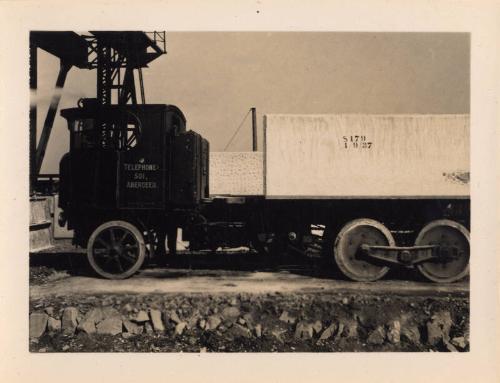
(229, 319)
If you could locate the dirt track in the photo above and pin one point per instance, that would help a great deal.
(164, 280)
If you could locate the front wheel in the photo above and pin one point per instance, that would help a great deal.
(116, 250)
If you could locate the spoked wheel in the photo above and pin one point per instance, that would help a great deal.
(116, 250)
(347, 249)
(454, 242)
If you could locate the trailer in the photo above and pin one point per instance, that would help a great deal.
(369, 192)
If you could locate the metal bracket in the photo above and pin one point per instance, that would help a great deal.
(406, 256)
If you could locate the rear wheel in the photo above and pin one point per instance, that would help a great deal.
(116, 250)
(454, 242)
(347, 249)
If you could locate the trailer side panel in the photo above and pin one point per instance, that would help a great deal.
(366, 156)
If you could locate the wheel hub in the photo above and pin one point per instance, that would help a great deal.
(115, 251)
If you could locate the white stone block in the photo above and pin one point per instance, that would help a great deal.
(366, 156)
(236, 174)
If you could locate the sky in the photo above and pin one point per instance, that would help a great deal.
(215, 77)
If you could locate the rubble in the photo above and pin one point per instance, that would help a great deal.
(278, 334)
(259, 322)
(287, 318)
(408, 329)
(148, 328)
(317, 326)
(179, 328)
(459, 342)
(131, 327)
(127, 308)
(249, 320)
(53, 325)
(350, 328)
(95, 315)
(87, 326)
(258, 330)
(202, 323)
(193, 320)
(109, 312)
(394, 331)
(411, 334)
(449, 346)
(69, 320)
(156, 320)
(329, 331)
(88, 322)
(377, 336)
(110, 326)
(231, 312)
(304, 330)
(140, 317)
(213, 322)
(240, 331)
(438, 328)
(173, 317)
(38, 324)
(233, 302)
(127, 335)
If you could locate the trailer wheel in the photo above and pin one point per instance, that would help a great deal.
(116, 250)
(454, 240)
(347, 249)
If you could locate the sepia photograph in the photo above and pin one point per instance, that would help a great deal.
(249, 191)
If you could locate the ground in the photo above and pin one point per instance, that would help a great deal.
(238, 302)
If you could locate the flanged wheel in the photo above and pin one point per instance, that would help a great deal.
(348, 254)
(116, 250)
(454, 242)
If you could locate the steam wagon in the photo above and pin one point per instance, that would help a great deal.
(369, 192)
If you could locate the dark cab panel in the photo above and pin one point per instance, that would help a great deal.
(132, 157)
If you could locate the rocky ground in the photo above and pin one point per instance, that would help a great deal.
(248, 323)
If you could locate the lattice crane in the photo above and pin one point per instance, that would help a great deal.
(115, 55)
